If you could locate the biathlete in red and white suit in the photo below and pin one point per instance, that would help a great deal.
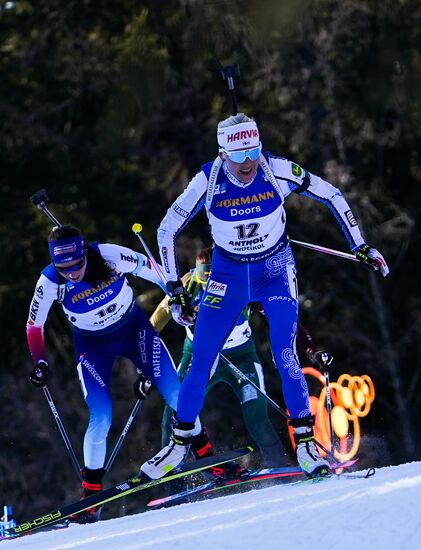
(244, 192)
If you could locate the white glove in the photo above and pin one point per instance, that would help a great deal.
(371, 259)
(180, 306)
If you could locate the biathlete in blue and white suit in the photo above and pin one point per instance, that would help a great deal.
(243, 192)
(89, 283)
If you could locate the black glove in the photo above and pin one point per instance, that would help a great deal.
(142, 387)
(371, 259)
(179, 303)
(39, 375)
(322, 359)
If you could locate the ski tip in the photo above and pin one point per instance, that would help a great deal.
(137, 228)
(250, 448)
(344, 464)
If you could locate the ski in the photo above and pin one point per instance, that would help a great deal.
(345, 475)
(139, 483)
(217, 484)
(345, 464)
(249, 477)
(53, 527)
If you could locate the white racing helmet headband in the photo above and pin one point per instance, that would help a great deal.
(240, 136)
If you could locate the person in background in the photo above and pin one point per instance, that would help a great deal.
(244, 192)
(239, 348)
(89, 282)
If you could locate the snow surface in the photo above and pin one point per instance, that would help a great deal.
(381, 512)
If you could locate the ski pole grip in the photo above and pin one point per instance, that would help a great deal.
(39, 198)
(137, 228)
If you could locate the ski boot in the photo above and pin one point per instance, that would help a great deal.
(312, 464)
(202, 447)
(173, 454)
(91, 484)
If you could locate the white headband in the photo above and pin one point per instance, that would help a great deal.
(239, 136)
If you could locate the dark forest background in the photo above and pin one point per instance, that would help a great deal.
(112, 107)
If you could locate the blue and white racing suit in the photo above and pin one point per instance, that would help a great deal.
(106, 323)
(252, 261)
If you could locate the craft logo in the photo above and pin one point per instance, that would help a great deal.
(216, 288)
(244, 134)
(282, 298)
(296, 170)
(350, 217)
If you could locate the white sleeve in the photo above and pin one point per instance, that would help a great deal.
(177, 217)
(42, 300)
(329, 195)
(294, 178)
(287, 174)
(126, 260)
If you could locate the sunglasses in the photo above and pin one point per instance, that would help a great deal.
(240, 156)
(75, 267)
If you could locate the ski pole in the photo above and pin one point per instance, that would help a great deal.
(243, 378)
(325, 250)
(137, 228)
(40, 199)
(123, 434)
(229, 72)
(329, 408)
(63, 432)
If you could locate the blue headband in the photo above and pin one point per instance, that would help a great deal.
(67, 250)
